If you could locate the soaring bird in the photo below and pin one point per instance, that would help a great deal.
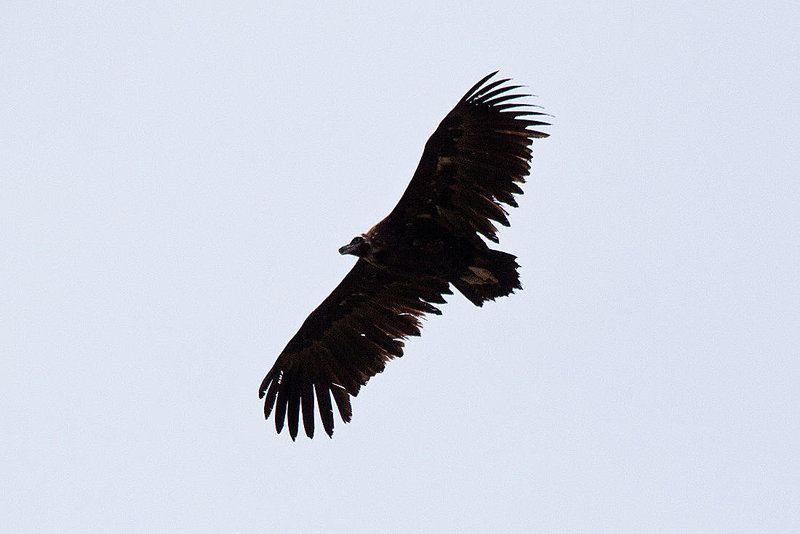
(471, 167)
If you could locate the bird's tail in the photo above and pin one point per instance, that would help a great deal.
(494, 274)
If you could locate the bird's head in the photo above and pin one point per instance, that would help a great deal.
(359, 246)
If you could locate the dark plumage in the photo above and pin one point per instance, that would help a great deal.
(471, 166)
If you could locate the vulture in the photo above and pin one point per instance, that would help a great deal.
(471, 168)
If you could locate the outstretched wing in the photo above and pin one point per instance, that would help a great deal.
(344, 342)
(473, 161)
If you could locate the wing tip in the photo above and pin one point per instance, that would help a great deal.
(469, 94)
(495, 95)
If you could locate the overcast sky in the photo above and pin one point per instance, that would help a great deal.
(177, 178)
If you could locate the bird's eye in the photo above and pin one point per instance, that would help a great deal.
(358, 239)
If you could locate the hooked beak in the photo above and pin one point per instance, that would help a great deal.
(349, 248)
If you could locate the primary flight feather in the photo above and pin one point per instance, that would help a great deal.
(472, 165)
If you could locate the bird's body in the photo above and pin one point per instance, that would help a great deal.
(424, 247)
(432, 239)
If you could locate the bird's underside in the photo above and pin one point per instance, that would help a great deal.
(471, 167)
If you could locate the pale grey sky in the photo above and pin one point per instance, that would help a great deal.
(177, 178)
